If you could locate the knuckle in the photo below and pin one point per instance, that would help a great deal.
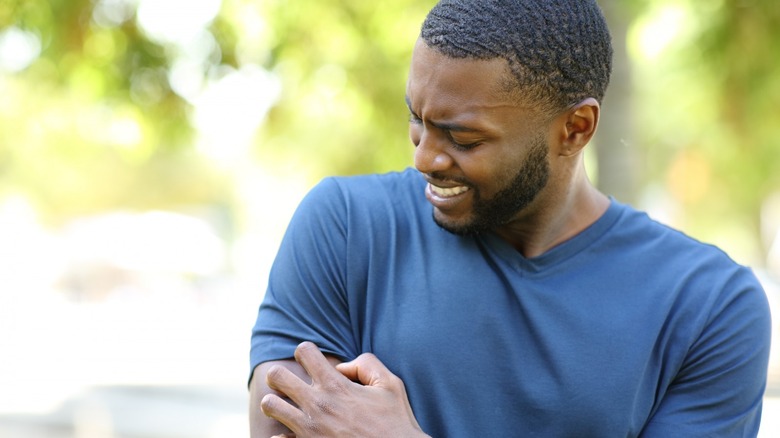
(312, 426)
(333, 388)
(314, 429)
(324, 406)
(396, 382)
(336, 384)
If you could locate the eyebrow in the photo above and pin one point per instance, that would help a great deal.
(452, 127)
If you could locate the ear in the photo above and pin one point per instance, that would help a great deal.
(580, 122)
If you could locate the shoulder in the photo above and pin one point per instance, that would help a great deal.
(394, 187)
(692, 271)
(397, 186)
(363, 210)
(661, 242)
(365, 192)
(370, 197)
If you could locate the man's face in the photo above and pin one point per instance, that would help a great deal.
(485, 155)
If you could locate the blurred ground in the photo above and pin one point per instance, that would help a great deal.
(138, 411)
(124, 370)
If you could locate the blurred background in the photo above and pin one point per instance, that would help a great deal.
(152, 152)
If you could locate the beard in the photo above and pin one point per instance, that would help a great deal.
(520, 191)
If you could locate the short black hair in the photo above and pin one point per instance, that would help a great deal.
(558, 51)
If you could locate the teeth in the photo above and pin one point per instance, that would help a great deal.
(448, 192)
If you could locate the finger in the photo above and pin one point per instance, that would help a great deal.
(371, 372)
(366, 369)
(314, 362)
(275, 407)
(286, 382)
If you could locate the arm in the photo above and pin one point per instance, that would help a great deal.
(305, 300)
(359, 398)
(260, 425)
(719, 389)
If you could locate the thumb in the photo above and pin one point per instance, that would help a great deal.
(366, 369)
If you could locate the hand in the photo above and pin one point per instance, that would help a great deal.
(361, 398)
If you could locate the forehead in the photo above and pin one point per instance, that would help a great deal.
(459, 82)
(431, 67)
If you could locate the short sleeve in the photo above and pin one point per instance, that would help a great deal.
(306, 294)
(718, 392)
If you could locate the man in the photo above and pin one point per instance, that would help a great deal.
(532, 304)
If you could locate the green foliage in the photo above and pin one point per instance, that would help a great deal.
(708, 109)
(95, 122)
(707, 86)
(343, 65)
(92, 124)
(739, 46)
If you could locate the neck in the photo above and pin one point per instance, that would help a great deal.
(557, 215)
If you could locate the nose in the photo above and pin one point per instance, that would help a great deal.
(430, 154)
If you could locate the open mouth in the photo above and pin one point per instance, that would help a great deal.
(447, 192)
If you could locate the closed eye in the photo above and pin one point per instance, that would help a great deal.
(462, 146)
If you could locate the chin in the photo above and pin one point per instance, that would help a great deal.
(463, 227)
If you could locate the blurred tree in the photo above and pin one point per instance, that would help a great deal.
(343, 64)
(708, 90)
(101, 118)
(92, 122)
(102, 115)
(740, 47)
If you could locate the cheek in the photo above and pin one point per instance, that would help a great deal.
(482, 168)
(491, 172)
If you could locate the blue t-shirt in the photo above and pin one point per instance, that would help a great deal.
(628, 329)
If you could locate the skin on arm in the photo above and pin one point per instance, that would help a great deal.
(361, 398)
(260, 425)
